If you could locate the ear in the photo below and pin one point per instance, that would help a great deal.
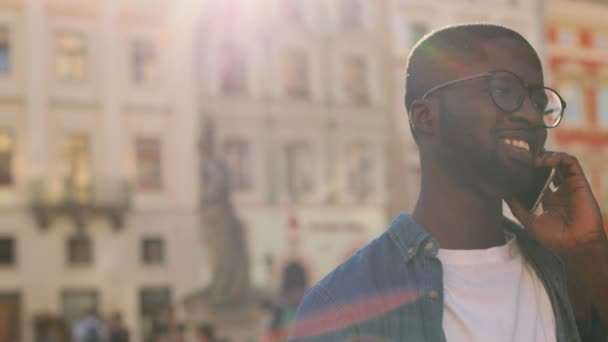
(423, 117)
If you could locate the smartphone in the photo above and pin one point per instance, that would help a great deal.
(531, 198)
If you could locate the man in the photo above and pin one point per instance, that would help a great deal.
(456, 269)
(90, 328)
(118, 330)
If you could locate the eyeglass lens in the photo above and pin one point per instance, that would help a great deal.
(509, 92)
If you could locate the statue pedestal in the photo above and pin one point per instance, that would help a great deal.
(238, 323)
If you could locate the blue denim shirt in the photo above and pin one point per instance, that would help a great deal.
(392, 290)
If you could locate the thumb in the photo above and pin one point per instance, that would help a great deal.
(521, 213)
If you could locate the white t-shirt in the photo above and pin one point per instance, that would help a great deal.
(494, 295)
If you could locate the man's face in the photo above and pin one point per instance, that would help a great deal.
(476, 140)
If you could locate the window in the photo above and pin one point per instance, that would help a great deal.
(572, 93)
(234, 80)
(10, 316)
(7, 251)
(80, 250)
(153, 250)
(355, 79)
(6, 156)
(351, 13)
(70, 59)
(5, 57)
(417, 31)
(144, 62)
(295, 71)
(153, 306)
(566, 36)
(300, 169)
(239, 164)
(602, 104)
(149, 170)
(77, 163)
(294, 11)
(359, 172)
(77, 303)
(600, 40)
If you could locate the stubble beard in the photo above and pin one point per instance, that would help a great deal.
(467, 162)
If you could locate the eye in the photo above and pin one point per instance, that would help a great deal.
(540, 100)
(503, 90)
(505, 85)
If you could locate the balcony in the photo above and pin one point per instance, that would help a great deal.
(108, 199)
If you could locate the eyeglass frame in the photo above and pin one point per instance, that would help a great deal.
(490, 75)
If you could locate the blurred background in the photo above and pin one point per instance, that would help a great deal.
(107, 204)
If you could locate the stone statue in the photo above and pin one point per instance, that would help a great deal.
(221, 229)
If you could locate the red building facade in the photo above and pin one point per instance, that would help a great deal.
(576, 58)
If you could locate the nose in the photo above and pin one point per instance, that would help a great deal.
(528, 113)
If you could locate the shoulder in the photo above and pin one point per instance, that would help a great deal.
(359, 274)
(348, 294)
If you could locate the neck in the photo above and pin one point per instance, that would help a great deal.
(458, 215)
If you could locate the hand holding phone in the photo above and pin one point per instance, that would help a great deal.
(532, 198)
(571, 219)
(543, 190)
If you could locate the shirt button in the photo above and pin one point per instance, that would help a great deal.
(433, 294)
(411, 250)
(429, 246)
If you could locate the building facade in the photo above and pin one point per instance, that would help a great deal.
(577, 55)
(297, 91)
(411, 20)
(103, 100)
(90, 100)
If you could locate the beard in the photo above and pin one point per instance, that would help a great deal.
(476, 165)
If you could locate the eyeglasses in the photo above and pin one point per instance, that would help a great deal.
(508, 93)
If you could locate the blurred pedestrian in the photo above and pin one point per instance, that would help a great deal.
(118, 331)
(90, 328)
(205, 333)
(168, 329)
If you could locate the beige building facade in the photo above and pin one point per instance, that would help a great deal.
(101, 107)
(91, 101)
(297, 90)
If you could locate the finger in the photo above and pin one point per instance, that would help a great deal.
(519, 211)
(557, 180)
(567, 164)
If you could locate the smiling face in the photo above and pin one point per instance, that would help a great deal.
(478, 143)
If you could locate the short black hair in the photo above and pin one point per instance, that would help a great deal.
(441, 50)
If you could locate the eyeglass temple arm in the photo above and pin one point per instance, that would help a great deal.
(458, 80)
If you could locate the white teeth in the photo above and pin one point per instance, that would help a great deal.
(518, 143)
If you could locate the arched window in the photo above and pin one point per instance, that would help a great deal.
(294, 278)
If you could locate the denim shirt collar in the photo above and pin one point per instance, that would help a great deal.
(411, 238)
